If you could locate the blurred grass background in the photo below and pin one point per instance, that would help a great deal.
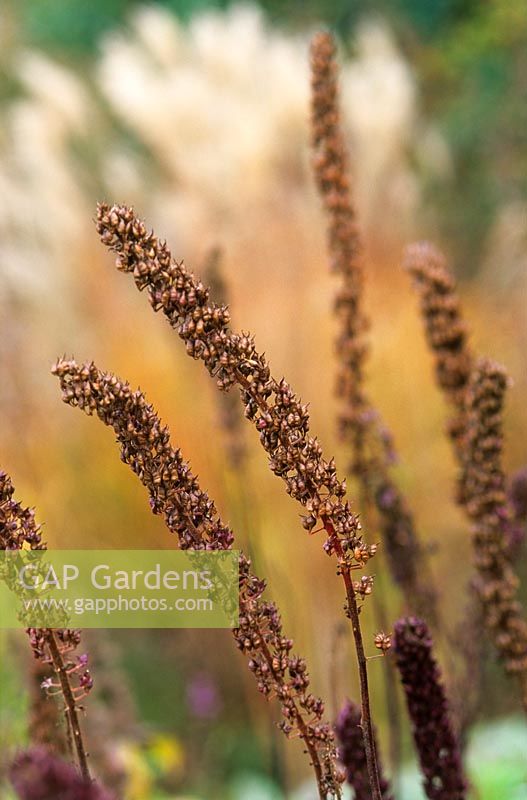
(197, 113)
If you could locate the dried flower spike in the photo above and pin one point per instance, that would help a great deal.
(446, 333)
(435, 742)
(191, 515)
(18, 529)
(360, 424)
(277, 414)
(486, 502)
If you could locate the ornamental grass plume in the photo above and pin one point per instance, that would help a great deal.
(359, 423)
(53, 648)
(352, 755)
(435, 742)
(276, 412)
(192, 516)
(486, 501)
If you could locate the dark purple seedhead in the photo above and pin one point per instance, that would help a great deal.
(352, 754)
(437, 748)
(38, 775)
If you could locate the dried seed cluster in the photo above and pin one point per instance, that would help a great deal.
(18, 527)
(383, 641)
(360, 424)
(496, 582)
(445, 329)
(434, 738)
(282, 674)
(475, 392)
(352, 755)
(190, 514)
(145, 447)
(20, 530)
(279, 416)
(331, 173)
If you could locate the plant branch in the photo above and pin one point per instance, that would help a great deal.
(69, 700)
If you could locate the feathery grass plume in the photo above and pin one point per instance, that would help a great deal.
(435, 742)
(446, 334)
(278, 415)
(37, 774)
(359, 422)
(486, 501)
(19, 530)
(352, 755)
(190, 514)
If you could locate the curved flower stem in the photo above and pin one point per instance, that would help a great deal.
(69, 700)
(367, 727)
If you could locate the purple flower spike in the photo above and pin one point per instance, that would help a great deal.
(434, 738)
(37, 775)
(353, 756)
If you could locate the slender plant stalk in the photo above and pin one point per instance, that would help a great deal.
(393, 709)
(352, 755)
(278, 415)
(366, 722)
(359, 422)
(69, 702)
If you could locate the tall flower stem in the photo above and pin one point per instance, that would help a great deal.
(353, 611)
(278, 415)
(69, 702)
(366, 722)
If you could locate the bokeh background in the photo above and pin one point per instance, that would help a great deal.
(197, 113)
